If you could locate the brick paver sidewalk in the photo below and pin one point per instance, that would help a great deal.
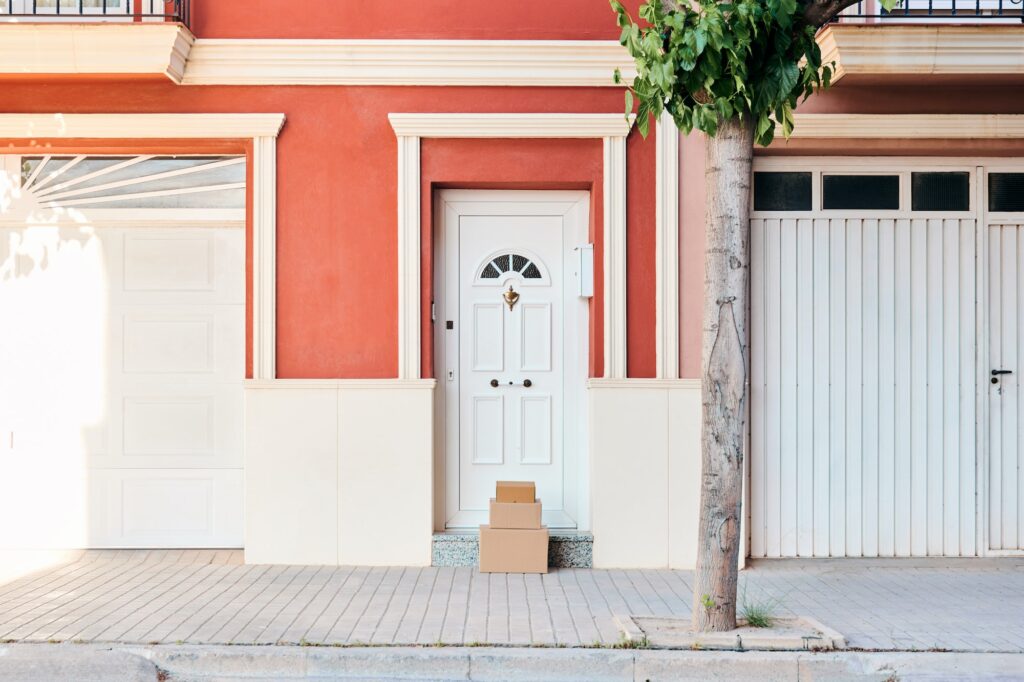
(210, 597)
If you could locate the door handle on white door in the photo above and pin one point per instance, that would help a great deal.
(526, 383)
(997, 372)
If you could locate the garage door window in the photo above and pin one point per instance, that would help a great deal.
(1006, 192)
(782, 191)
(860, 192)
(946, 191)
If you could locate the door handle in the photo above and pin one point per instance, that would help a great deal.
(526, 383)
(997, 372)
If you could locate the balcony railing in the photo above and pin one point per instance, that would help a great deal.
(95, 10)
(935, 11)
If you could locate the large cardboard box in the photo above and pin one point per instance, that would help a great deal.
(516, 491)
(515, 514)
(513, 550)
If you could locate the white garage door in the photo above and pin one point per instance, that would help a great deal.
(122, 360)
(863, 421)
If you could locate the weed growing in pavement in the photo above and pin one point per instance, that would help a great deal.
(758, 612)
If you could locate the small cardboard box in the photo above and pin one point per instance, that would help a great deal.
(516, 491)
(513, 550)
(515, 514)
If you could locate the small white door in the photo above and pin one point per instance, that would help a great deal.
(1006, 411)
(513, 358)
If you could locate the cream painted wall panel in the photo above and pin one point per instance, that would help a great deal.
(629, 489)
(684, 465)
(385, 481)
(291, 474)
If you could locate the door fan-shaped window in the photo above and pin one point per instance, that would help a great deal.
(510, 263)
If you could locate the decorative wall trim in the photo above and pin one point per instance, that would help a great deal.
(262, 129)
(902, 126)
(409, 341)
(667, 249)
(915, 50)
(140, 126)
(264, 257)
(409, 128)
(110, 48)
(579, 63)
(600, 383)
(347, 384)
(615, 364)
(510, 125)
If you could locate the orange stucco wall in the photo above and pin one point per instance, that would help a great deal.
(336, 210)
(463, 19)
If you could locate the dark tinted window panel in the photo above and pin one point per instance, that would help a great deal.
(1006, 192)
(782, 191)
(940, 191)
(860, 192)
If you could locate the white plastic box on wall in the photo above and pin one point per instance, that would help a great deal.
(585, 270)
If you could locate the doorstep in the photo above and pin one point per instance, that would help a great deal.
(566, 549)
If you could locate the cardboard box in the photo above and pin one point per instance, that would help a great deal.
(513, 550)
(516, 491)
(515, 514)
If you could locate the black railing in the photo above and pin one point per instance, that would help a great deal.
(97, 10)
(959, 11)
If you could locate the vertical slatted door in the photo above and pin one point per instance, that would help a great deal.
(863, 387)
(1006, 413)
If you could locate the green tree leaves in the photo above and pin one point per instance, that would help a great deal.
(706, 61)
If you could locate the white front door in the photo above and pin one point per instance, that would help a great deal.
(1006, 410)
(514, 355)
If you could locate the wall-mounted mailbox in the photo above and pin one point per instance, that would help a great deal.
(585, 270)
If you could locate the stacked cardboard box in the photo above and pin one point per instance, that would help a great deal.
(514, 541)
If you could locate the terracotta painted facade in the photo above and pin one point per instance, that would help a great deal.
(341, 448)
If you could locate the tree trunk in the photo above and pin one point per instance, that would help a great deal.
(724, 372)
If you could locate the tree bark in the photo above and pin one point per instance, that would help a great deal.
(725, 359)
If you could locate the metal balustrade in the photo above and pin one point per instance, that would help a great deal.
(935, 11)
(95, 10)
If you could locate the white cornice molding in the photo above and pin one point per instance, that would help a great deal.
(140, 126)
(344, 384)
(906, 126)
(580, 63)
(108, 48)
(914, 50)
(510, 125)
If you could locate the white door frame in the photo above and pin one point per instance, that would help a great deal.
(260, 129)
(448, 206)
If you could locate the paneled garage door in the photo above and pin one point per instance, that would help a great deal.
(122, 361)
(863, 361)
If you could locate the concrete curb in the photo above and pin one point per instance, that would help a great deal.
(198, 663)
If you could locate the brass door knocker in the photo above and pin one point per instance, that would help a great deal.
(511, 297)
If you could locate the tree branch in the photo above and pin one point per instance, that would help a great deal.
(820, 12)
